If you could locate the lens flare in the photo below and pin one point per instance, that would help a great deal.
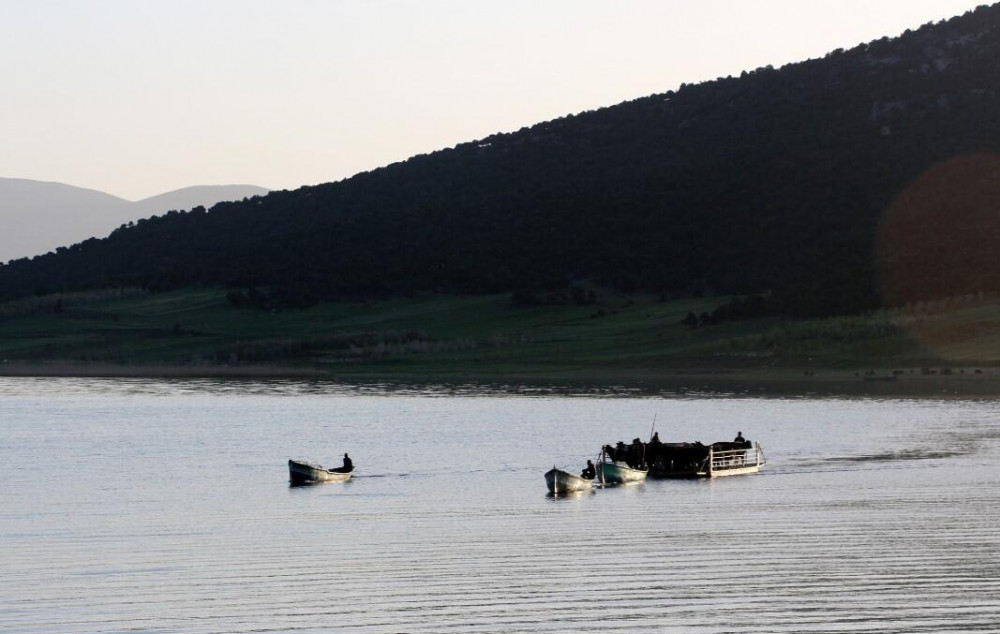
(939, 253)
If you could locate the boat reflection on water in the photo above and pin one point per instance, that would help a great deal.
(571, 495)
(309, 484)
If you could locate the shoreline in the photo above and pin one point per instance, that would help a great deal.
(58, 369)
(687, 380)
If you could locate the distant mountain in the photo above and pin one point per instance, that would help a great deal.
(37, 216)
(817, 185)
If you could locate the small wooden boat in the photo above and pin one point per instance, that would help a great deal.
(302, 472)
(619, 473)
(560, 481)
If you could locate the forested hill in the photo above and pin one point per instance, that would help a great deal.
(789, 181)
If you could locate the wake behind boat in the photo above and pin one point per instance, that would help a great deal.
(559, 482)
(303, 472)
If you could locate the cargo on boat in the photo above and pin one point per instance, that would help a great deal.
(689, 459)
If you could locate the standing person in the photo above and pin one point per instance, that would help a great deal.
(637, 454)
(653, 450)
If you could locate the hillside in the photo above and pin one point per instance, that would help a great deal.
(795, 182)
(38, 216)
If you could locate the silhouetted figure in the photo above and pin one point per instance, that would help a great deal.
(739, 437)
(654, 449)
(348, 465)
(621, 452)
(588, 473)
(637, 454)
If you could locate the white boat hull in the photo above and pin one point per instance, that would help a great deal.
(734, 471)
(300, 472)
(619, 473)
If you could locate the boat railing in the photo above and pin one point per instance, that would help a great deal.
(736, 458)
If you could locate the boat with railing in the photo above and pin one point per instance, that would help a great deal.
(689, 459)
(724, 461)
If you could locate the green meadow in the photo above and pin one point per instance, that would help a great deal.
(627, 337)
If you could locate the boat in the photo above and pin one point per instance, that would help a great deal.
(559, 482)
(611, 472)
(698, 460)
(728, 459)
(302, 472)
(684, 459)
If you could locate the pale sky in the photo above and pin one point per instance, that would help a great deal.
(138, 97)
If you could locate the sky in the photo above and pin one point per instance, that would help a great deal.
(140, 97)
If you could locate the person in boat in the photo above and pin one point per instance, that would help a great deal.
(589, 472)
(637, 454)
(740, 439)
(654, 449)
(621, 452)
(348, 465)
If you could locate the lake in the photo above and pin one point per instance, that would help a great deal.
(160, 506)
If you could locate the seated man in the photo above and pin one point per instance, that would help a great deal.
(348, 465)
(588, 473)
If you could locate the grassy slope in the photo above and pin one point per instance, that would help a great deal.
(484, 336)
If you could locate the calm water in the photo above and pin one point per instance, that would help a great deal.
(159, 506)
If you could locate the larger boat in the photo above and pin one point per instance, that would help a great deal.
(687, 459)
(697, 460)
